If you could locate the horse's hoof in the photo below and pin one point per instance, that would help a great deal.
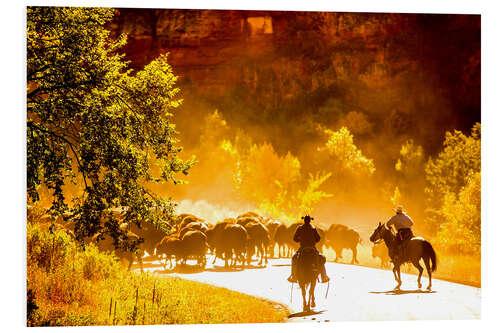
(429, 288)
(419, 285)
(313, 304)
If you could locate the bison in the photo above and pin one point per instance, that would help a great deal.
(105, 242)
(340, 237)
(258, 238)
(193, 243)
(251, 215)
(291, 244)
(272, 226)
(227, 239)
(169, 248)
(381, 251)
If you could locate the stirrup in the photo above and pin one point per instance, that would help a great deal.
(325, 279)
(292, 279)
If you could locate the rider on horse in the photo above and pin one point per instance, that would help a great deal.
(307, 236)
(403, 224)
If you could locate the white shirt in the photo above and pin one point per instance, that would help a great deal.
(400, 221)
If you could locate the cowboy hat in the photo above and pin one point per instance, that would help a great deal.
(399, 209)
(307, 218)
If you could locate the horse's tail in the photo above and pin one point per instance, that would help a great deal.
(429, 251)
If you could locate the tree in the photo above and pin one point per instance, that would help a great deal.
(451, 171)
(92, 122)
(410, 179)
(461, 230)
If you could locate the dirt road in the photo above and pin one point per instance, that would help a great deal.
(356, 293)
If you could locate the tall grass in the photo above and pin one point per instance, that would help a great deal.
(454, 267)
(72, 287)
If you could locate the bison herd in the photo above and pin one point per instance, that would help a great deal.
(235, 241)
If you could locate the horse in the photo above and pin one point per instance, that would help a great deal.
(417, 248)
(307, 275)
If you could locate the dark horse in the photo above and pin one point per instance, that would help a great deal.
(307, 275)
(417, 248)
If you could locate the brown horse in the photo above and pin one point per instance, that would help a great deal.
(307, 275)
(417, 248)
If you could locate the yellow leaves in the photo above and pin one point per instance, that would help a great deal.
(396, 197)
(344, 154)
(263, 166)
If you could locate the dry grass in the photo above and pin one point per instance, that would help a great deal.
(76, 288)
(465, 269)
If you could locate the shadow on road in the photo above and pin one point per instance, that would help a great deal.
(183, 269)
(403, 292)
(305, 313)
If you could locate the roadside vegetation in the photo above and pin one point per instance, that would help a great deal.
(71, 287)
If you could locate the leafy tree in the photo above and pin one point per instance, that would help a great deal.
(451, 171)
(461, 230)
(92, 122)
(263, 172)
(343, 155)
(410, 179)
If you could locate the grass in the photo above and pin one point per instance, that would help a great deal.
(459, 268)
(72, 287)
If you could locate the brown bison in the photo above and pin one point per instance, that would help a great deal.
(194, 244)
(243, 221)
(234, 243)
(151, 234)
(168, 248)
(258, 238)
(251, 215)
(291, 244)
(188, 219)
(340, 237)
(272, 226)
(200, 226)
(105, 242)
(380, 251)
(229, 241)
(214, 238)
(280, 239)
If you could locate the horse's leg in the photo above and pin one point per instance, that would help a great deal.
(399, 276)
(429, 272)
(394, 271)
(416, 263)
(311, 294)
(304, 303)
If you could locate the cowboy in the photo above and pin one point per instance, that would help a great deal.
(307, 236)
(403, 224)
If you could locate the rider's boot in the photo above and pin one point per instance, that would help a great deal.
(324, 277)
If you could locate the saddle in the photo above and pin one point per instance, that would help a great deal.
(308, 255)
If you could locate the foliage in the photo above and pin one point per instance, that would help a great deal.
(461, 230)
(447, 176)
(79, 290)
(357, 122)
(460, 158)
(454, 191)
(95, 124)
(343, 155)
(263, 172)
